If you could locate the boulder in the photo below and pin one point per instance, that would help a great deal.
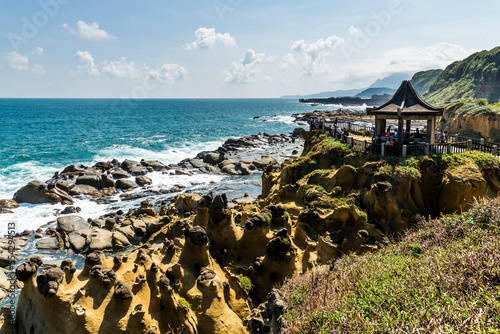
(69, 224)
(133, 167)
(121, 174)
(49, 243)
(77, 241)
(143, 180)
(213, 158)
(155, 164)
(126, 185)
(120, 240)
(8, 204)
(65, 185)
(122, 292)
(264, 161)
(100, 240)
(83, 189)
(36, 192)
(97, 181)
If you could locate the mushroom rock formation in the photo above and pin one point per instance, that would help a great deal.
(122, 292)
(104, 275)
(202, 210)
(26, 270)
(68, 267)
(48, 282)
(93, 259)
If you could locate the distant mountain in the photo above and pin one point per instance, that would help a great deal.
(392, 81)
(477, 76)
(335, 93)
(422, 81)
(368, 93)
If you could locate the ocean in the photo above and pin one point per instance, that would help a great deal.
(41, 136)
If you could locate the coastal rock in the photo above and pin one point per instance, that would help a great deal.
(8, 204)
(65, 185)
(68, 224)
(133, 167)
(126, 185)
(30, 267)
(37, 192)
(84, 190)
(264, 161)
(143, 181)
(155, 164)
(50, 243)
(121, 174)
(122, 292)
(213, 158)
(48, 282)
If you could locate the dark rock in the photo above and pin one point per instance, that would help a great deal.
(69, 224)
(70, 209)
(94, 258)
(143, 181)
(26, 270)
(68, 266)
(164, 281)
(217, 209)
(48, 282)
(122, 292)
(197, 235)
(126, 184)
(104, 275)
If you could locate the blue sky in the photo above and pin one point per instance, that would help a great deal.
(229, 48)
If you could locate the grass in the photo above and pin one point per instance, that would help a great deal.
(184, 304)
(245, 283)
(404, 168)
(442, 276)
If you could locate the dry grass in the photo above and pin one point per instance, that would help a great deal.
(443, 276)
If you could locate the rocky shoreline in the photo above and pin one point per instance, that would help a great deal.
(201, 265)
(113, 182)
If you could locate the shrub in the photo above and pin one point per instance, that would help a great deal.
(245, 283)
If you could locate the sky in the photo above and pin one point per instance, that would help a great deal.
(229, 48)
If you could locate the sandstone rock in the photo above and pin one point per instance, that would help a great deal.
(155, 164)
(94, 259)
(78, 242)
(120, 240)
(50, 243)
(26, 270)
(143, 181)
(69, 224)
(120, 174)
(264, 161)
(83, 189)
(67, 266)
(100, 240)
(8, 204)
(48, 282)
(70, 209)
(213, 158)
(36, 192)
(197, 235)
(104, 275)
(122, 292)
(217, 209)
(126, 185)
(65, 185)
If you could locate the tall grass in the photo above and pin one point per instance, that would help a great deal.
(442, 276)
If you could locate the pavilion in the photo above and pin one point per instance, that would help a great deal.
(406, 105)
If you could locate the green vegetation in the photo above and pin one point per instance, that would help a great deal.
(422, 81)
(443, 276)
(184, 304)
(477, 76)
(245, 283)
(404, 168)
(472, 107)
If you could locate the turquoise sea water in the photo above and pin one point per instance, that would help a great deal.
(41, 136)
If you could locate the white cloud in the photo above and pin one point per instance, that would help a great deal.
(120, 69)
(17, 61)
(414, 59)
(89, 31)
(87, 63)
(20, 62)
(167, 73)
(313, 56)
(207, 38)
(38, 51)
(244, 71)
(288, 61)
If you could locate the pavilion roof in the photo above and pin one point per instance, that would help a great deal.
(407, 102)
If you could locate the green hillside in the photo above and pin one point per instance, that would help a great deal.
(423, 80)
(477, 76)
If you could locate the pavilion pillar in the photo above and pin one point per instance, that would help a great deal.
(408, 125)
(381, 127)
(431, 130)
(400, 131)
